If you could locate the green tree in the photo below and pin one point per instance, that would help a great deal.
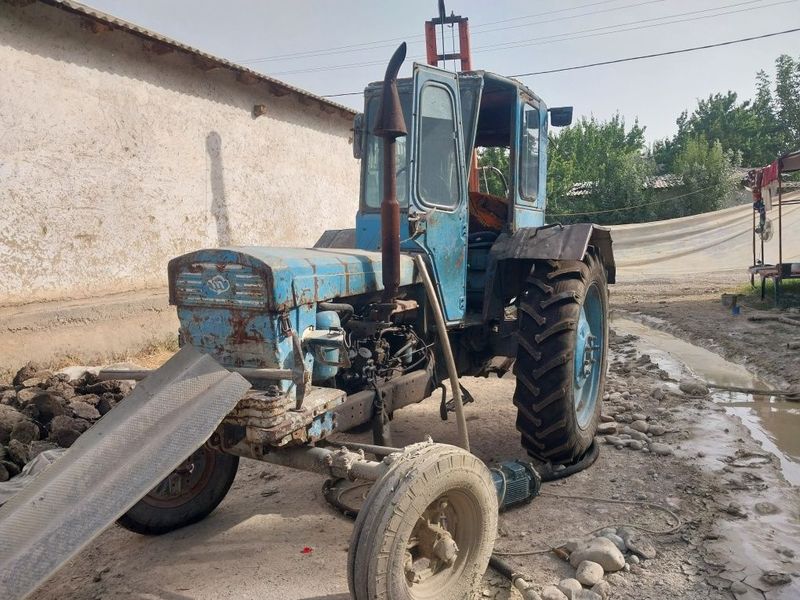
(492, 160)
(787, 98)
(609, 162)
(707, 175)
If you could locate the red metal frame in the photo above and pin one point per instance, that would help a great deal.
(464, 56)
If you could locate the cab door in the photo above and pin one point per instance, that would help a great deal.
(438, 208)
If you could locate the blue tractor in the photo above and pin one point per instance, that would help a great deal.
(436, 281)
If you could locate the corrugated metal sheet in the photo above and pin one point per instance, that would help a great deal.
(215, 61)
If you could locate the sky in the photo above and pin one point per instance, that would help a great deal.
(339, 47)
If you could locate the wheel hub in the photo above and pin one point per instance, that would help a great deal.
(184, 482)
(431, 547)
(588, 357)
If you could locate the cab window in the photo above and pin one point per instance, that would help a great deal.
(529, 154)
(437, 180)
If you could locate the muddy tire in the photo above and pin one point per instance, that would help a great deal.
(561, 357)
(185, 496)
(393, 551)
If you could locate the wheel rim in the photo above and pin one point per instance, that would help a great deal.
(185, 482)
(441, 545)
(588, 359)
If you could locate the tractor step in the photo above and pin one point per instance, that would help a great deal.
(112, 466)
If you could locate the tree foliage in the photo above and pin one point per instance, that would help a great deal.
(613, 167)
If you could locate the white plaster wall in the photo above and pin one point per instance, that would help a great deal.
(113, 160)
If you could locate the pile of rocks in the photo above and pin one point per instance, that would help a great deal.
(41, 410)
(596, 561)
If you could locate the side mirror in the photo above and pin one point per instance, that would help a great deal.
(358, 136)
(560, 116)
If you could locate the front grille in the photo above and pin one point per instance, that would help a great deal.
(207, 284)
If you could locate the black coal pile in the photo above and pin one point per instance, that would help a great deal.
(41, 410)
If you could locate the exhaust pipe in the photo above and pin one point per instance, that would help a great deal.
(390, 125)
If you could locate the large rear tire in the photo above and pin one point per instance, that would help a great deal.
(426, 529)
(561, 357)
(187, 495)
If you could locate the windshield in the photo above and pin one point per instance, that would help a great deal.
(372, 168)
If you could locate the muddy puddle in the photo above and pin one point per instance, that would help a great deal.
(772, 421)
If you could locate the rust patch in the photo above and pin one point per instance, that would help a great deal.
(241, 332)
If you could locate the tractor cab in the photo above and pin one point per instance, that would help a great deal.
(452, 119)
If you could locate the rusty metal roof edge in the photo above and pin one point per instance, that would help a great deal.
(115, 22)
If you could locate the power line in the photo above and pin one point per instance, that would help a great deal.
(628, 59)
(623, 208)
(531, 42)
(566, 36)
(656, 54)
(348, 47)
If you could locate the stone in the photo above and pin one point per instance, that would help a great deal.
(602, 589)
(604, 418)
(39, 446)
(48, 406)
(656, 430)
(9, 398)
(569, 587)
(633, 559)
(635, 445)
(589, 573)
(766, 508)
(693, 387)
(775, 578)
(62, 389)
(102, 387)
(9, 417)
(607, 428)
(637, 435)
(787, 552)
(24, 397)
(25, 431)
(639, 417)
(64, 430)
(615, 579)
(618, 541)
(639, 545)
(640, 425)
(40, 382)
(735, 510)
(106, 403)
(84, 410)
(26, 372)
(658, 393)
(551, 592)
(92, 399)
(737, 587)
(613, 440)
(4, 474)
(600, 550)
(661, 449)
(17, 452)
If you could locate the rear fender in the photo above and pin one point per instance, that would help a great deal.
(511, 255)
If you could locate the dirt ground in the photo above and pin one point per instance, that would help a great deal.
(252, 545)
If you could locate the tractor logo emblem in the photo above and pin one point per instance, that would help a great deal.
(218, 284)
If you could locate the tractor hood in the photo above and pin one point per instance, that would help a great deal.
(276, 279)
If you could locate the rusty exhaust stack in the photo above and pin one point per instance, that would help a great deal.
(390, 125)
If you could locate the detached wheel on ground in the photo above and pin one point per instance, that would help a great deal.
(427, 528)
(187, 495)
(561, 357)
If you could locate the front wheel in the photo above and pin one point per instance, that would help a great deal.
(427, 528)
(185, 496)
(561, 357)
